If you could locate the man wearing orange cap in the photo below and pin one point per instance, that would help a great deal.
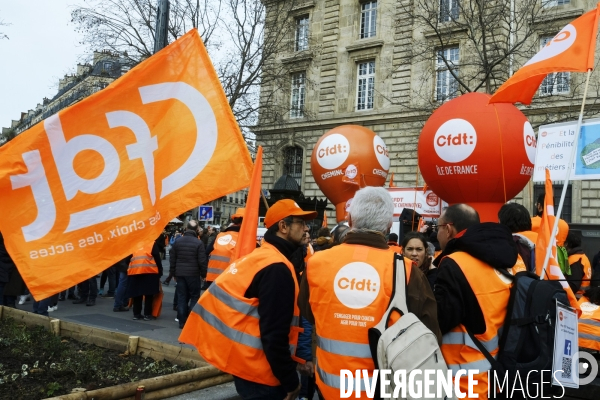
(220, 252)
(563, 226)
(249, 317)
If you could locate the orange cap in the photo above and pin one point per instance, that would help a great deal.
(286, 208)
(239, 213)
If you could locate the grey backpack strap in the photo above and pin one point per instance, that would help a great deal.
(398, 299)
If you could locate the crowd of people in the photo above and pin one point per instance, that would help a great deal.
(272, 319)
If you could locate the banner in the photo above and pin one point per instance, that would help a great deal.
(427, 203)
(554, 146)
(87, 186)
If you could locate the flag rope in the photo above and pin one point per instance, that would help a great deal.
(568, 176)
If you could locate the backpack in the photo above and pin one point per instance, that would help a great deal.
(407, 344)
(527, 340)
(526, 249)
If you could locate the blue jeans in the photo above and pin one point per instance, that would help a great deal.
(41, 307)
(188, 292)
(120, 293)
(257, 391)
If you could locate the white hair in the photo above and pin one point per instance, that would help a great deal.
(372, 208)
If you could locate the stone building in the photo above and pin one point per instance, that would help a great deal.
(372, 63)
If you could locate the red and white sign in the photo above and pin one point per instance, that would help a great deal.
(427, 203)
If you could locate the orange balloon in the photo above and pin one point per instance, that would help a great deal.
(475, 153)
(345, 159)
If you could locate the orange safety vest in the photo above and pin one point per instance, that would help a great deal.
(587, 269)
(563, 228)
(227, 323)
(310, 251)
(589, 325)
(397, 249)
(222, 254)
(350, 289)
(460, 352)
(142, 262)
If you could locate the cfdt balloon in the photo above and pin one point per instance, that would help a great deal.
(345, 159)
(475, 153)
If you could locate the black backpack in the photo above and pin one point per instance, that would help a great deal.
(527, 339)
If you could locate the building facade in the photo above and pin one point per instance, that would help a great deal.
(387, 65)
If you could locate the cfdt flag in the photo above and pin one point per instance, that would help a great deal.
(87, 186)
(572, 49)
(545, 240)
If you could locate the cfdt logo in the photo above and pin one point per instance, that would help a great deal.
(333, 151)
(356, 285)
(530, 142)
(455, 140)
(560, 43)
(381, 152)
(351, 171)
(432, 199)
(224, 240)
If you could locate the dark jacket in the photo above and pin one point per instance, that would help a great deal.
(123, 264)
(145, 284)
(420, 300)
(488, 242)
(273, 286)
(187, 256)
(7, 266)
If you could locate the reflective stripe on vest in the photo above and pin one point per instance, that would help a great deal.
(333, 380)
(213, 271)
(590, 322)
(220, 258)
(230, 333)
(232, 302)
(589, 337)
(464, 339)
(341, 348)
(142, 261)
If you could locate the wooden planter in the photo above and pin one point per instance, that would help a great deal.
(204, 375)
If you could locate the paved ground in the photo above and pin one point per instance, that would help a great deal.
(164, 329)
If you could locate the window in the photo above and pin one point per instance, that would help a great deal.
(365, 85)
(298, 95)
(448, 10)
(301, 42)
(292, 163)
(107, 66)
(554, 83)
(446, 85)
(556, 190)
(553, 3)
(368, 19)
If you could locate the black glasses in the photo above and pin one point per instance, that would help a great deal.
(449, 223)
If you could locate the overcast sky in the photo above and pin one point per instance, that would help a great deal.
(41, 48)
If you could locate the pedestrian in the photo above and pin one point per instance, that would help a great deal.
(517, 219)
(143, 281)
(393, 243)
(7, 266)
(188, 265)
(329, 288)
(472, 294)
(581, 268)
(221, 251)
(258, 296)
(88, 291)
(121, 302)
(323, 238)
(416, 248)
(109, 274)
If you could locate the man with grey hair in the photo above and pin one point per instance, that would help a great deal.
(347, 289)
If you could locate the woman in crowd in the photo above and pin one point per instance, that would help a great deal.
(415, 247)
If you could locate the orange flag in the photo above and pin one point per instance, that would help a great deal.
(89, 185)
(553, 271)
(324, 225)
(247, 237)
(425, 188)
(392, 181)
(572, 49)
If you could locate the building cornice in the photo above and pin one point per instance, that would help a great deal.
(364, 45)
(300, 56)
(558, 16)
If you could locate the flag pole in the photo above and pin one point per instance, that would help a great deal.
(568, 176)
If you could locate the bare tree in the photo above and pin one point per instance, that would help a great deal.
(2, 34)
(475, 45)
(232, 30)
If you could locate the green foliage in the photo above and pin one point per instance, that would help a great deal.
(52, 387)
